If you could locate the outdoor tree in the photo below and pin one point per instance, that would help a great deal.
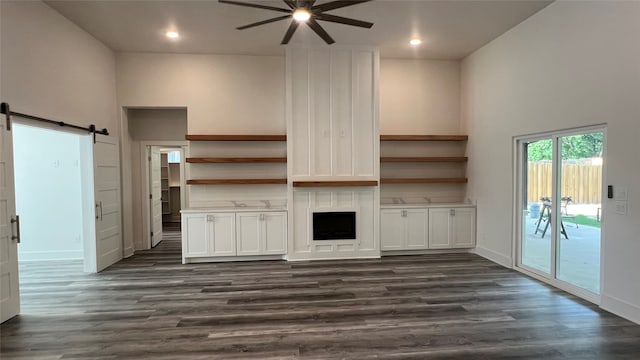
(573, 147)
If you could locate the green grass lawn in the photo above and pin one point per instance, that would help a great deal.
(582, 220)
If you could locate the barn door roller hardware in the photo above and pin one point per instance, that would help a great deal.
(6, 110)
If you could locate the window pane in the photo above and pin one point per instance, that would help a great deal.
(578, 260)
(536, 219)
(173, 157)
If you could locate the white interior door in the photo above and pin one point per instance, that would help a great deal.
(155, 183)
(9, 231)
(106, 167)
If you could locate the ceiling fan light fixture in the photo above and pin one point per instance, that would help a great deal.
(301, 15)
(172, 34)
(415, 42)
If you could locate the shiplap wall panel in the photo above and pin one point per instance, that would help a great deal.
(333, 113)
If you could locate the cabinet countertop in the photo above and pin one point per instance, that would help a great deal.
(231, 209)
(426, 205)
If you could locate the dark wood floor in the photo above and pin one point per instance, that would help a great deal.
(456, 306)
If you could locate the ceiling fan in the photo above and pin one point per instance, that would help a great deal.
(306, 11)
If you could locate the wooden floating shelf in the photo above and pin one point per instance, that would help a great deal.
(236, 137)
(342, 183)
(423, 181)
(423, 137)
(235, 181)
(424, 159)
(235, 160)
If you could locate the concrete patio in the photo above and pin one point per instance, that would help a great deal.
(578, 256)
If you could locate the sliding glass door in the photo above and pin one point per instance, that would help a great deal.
(535, 220)
(560, 215)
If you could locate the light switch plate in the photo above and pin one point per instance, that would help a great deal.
(620, 207)
(620, 193)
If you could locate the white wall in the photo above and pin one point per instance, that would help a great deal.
(52, 68)
(48, 193)
(572, 64)
(223, 94)
(230, 94)
(419, 96)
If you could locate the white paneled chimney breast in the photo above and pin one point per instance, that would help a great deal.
(333, 151)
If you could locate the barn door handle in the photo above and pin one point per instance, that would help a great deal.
(100, 210)
(16, 221)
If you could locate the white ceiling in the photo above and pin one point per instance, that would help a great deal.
(451, 29)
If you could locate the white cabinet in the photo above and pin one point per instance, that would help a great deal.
(208, 234)
(261, 233)
(194, 238)
(274, 240)
(220, 234)
(404, 229)
(452, 227)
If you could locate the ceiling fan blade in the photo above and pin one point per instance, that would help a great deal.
(287, 36)
(266, 7)
(264, 22)
(313, 24)
(336, 5)
(343, 20)
(290, 3)
(306, 3)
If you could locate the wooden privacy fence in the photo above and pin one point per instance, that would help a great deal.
(582, 182)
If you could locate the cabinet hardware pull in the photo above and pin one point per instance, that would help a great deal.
(452, 212)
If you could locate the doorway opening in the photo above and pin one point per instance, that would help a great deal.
(560, 220)
(51, 170)
(165, 173)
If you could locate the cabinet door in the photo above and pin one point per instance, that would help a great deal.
(222, 234)
(464, 227)
(194, 235)
(249, 233)
(274, 233)
(392, 229)
(416, 229)
(439, 228)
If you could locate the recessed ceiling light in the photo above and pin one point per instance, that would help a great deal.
(172, 34)
(415, 42)
(301, 15)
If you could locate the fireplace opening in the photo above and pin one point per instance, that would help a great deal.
(334, 225)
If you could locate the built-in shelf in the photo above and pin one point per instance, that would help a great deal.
(235, 160)
(423, 159)
(341, 183)
(423, 180)
(235, 181)
(236, 137)
(423, 137)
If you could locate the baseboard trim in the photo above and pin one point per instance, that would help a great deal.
(496, 257)
(128, 252)
(621, 308)
(51, 255)
(232, 259)
(424, 252)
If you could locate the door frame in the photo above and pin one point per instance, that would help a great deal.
(518, 200)
(182, 146)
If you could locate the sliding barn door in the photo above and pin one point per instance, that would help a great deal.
(156, 196)
(106, 167)
(9, 231)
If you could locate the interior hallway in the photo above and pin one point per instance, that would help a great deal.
(453, 306)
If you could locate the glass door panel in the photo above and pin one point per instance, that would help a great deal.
(537, 181)
(580, 192)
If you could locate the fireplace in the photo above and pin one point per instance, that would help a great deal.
(334, 225)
